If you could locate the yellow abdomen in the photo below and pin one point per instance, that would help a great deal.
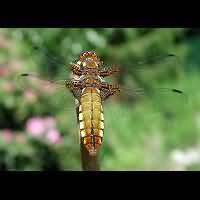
(91, 119)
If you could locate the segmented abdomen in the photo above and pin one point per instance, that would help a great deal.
(91, 119)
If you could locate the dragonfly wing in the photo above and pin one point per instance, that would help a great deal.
(150, 68)
(57, 100)
(168, 57)
(53, 90)
(134, 114)
(161, 98)
(166, 102)
(141, 63)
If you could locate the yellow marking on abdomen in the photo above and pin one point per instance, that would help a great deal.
(82, 125)
(91, 119)
(102, 117)
(80, 116)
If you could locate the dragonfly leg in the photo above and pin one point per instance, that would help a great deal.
(75, 68)
(75, 87)
(108, 90)
(108, 71)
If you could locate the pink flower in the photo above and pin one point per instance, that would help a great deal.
(35, 126)
(30, 95)
(4, 70)
(47, 87)
(38, 126)
(7, 135)
(53, 136)
(50, 122)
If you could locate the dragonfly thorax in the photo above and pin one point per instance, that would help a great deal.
(92, 82)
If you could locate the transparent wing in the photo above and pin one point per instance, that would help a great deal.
(49, 55)
(144, 101)
(135, 64)
(134, 115)
(155, 67)
(52, 63)
(161, 98)
(139, 63)
(53, 91)
(42, 88)
(168, 57)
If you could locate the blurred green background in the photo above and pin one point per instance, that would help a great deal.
(158, 131)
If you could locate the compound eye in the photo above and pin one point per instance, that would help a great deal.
(81, 57)
(87, 53)
(94, 56)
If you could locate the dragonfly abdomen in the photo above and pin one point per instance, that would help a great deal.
(91, 119)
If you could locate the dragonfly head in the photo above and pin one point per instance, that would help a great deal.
(89, 59)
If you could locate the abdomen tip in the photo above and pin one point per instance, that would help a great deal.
(93, 153)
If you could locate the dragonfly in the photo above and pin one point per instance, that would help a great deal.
(90, 89)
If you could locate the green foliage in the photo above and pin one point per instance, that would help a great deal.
(140, 133)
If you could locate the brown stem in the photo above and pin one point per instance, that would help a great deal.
(88, 163)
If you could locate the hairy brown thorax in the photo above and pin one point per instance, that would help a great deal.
(89, 88)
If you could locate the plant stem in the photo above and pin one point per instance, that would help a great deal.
(89, 163)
